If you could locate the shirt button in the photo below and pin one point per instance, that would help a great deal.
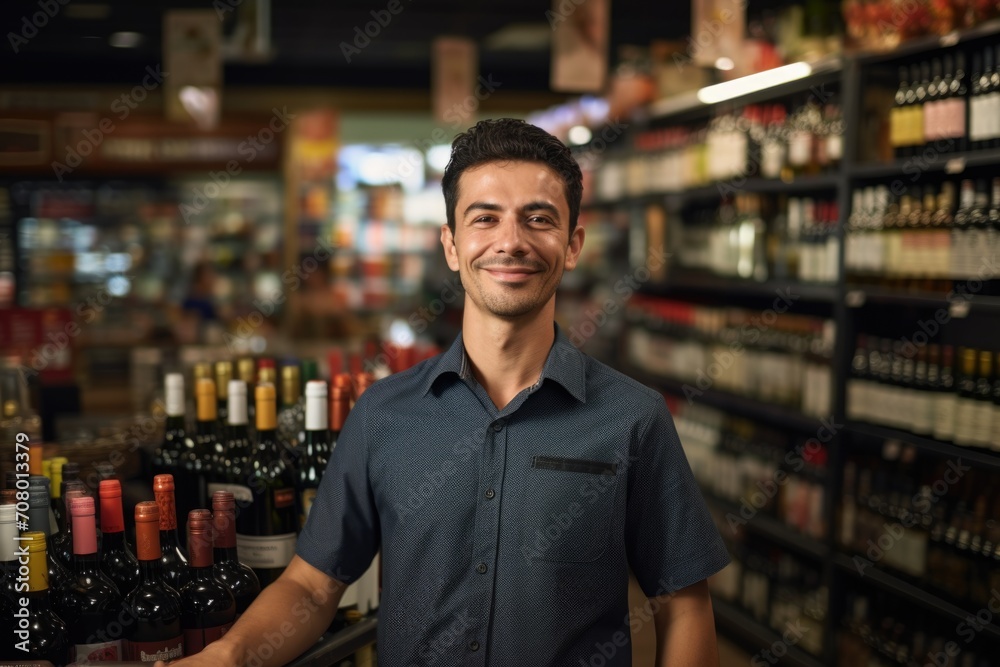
(490, 493)
(481, 568)
(473, 645)
(498, 425)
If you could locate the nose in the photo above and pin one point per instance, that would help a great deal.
(511, 238)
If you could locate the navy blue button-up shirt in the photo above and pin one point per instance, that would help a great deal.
(507, 535)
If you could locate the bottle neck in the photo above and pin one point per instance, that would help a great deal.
(174, 423)
(205, 429)
(85, 563)
(150, 571)
(225, 555)
(114, 541)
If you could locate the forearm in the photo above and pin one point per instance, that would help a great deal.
(685, 629)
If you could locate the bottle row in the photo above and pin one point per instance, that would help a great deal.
(757, 469)
(920, 233)
(768, 141)
(929, 522)
(763, 355)
(742, 238)
(941, 104)
(929, 390)
(109, 602)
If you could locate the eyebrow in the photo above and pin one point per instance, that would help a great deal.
(527, 208)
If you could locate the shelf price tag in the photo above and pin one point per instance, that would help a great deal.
(959, 309)
(855, 298)
(955, 165)
(950, 39)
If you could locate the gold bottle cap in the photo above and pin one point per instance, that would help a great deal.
(223, 374)
(268, 375)
(246, 368)
(291, 384)
(264, 396)
(205, 400)
(202, 369)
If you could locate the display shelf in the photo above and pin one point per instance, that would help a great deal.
(332, 648)
(920, 45)
(980, 458)
(774, 529)
(734, 622)
(741, 405)
(950, 163)
(857, 296)
(698, 281)
(908, 591)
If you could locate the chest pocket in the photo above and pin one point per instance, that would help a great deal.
(568, 509)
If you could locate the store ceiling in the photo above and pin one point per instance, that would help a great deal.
(513, 36)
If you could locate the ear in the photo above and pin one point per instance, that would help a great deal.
(573, 251)
(448, 243)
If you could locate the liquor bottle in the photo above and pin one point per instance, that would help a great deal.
(117, 559)
(940, 240)
(291, 414)
(238, 447)
(316, 448)
(923, 73)
(46, 632)
(237, 577)
(208, 609)
(993, 233)
(857, 389)
(922, 402)
(982, 415)
(265, 530)
(38, 520)
(153, 606)
(772, 149)
(966, 408)
(898, 116)
(937, 88)
(62, 542)
(58, 507)
(91, 604)
(246, 370)
(223, 374)
(995, 437)
(173, 560)
(978, 233)
(955, 110)
(8, 554)
(961, 250)
(168, 454)
(979, 104)
(207, 452)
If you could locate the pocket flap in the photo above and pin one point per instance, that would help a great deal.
(574, 465)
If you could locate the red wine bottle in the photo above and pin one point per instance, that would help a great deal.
(202, 467)
(173, 560)
(167, 456)
(8, 559)
(38, 520)
(316, 443)
(238, 578)
(208, 609)
(91, 603)
(265, 529)
(45, 638)
(153, 606)
(63, 540)
(117, 559)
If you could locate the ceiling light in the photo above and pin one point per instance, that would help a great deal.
(579, 135)
(125, 40)
(753, 83)
(725, 64)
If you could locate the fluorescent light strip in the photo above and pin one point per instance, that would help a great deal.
(727, 90)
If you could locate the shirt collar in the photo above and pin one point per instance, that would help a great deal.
(564, 365)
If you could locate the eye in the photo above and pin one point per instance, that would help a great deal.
(539, 220)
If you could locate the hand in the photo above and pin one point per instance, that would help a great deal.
(217, 653)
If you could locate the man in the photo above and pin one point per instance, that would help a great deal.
(510, 482)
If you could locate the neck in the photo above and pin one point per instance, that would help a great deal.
(225, 555)
(113, 541)
(150, 571)
(206, 428)
(507, 356)
(85, 562)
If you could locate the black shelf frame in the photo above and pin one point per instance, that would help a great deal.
(857, 296)
(337, 646)
(768, 526)
(878, 434)
(734, 622)
(950, 163)
(908, 591)
(684, 280)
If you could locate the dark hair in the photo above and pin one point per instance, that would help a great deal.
(505, 139)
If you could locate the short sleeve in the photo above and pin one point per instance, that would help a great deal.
(341, 535)
(670, 538)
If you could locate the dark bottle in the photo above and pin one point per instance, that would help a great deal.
(167, 456)
(946, 398)
(238, 578)
(153, 606)
(205, 449)
(173, 560)
(117, 559)
(966, 407)
(898, 116)
(91, 604)
(208, 609)
(223, 374)
(38, 520)
(995, 436)
(265, 530)
(56, 501)
(291, 414)
(46, 633)
(63, 540)
(316, 448)
(238, 447)
(246, 370)
(982, 416)
(8, 554)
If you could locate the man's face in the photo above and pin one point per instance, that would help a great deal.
(511, 242)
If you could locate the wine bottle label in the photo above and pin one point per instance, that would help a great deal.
(922, 415)
(982, 422)
(196, 639)
(995, 435)
(166, 650)
(240, 493)
(266, 551)
(964, 416)
(944, 415)
(103, 652)
(308, 498)
(284, 498)
(800, 148)
(772, 156)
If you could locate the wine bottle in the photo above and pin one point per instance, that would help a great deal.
(982, 416)
(291, 415)
(63, 540)
(46, 633)
(946, 398)
(8, 554)
(173, 560)
(223, 374)
(965, 408)
(897, 116)
(246, 370)
(265, 530)
(117, 559)
(237, 577)
(316, 448)
(234, 474)
(995, 437)
(153, 606)
(206, 450)
(91, 603)
(167, 456)
(58, 508)
(38, 520)
(208, 609)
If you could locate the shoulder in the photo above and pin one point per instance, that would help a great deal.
(402, 386)
(605, 382)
